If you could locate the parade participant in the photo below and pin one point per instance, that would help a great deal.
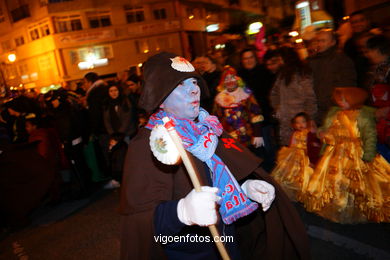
(158, 202)
(351, 181)
(238, 110)
(295, 163)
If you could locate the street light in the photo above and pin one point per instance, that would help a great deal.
(254, 28)
(11, 57)
(4, 86)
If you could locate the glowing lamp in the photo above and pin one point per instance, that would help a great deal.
(212, 27)
(11, 57)
(254, 27)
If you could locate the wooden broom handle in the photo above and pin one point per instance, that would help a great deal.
(168, 123)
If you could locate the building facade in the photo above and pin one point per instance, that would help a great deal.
(61, 40)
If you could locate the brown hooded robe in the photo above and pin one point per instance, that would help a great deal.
(275, 234)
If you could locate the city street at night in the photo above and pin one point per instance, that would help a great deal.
(194, 129)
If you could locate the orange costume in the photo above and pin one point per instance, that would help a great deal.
(293, 169)
(351, 182)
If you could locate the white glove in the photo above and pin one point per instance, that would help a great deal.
(258, 142)
(198, 208)
(259, 191)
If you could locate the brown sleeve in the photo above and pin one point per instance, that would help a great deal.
(285, 233)
(146, 182)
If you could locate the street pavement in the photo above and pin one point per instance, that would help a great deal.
(89, 230)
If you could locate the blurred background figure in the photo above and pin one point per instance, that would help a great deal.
(378, 52)
(96, 93)
(292, 93)
(260, 80)
(330, 69)
(360, 26)
(198, 64)
(133, 91)
(121, 124)
(212, 76)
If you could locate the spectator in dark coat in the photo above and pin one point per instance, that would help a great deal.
(360, 25)
(121, 123)
(17, 109)
(95, 96)
(331, 69)
(66, 120)
(258, 79)
(212, 77)
(118, 113)
(133, 90)
(49, 147)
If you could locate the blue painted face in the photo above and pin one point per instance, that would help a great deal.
(184, 100)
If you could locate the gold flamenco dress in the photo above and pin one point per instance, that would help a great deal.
(292, 170)
(343, 187)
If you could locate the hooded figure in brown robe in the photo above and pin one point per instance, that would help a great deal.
(153, 194)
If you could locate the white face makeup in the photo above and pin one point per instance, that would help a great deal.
(184, 100)
(230, 83)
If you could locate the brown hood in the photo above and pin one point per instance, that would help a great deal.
(162, 73)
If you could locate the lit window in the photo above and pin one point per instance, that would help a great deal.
(45, 30)
(19, 41)
(68, 23)
(91, 57)
(99, 19)
(39, 30)
(34, 34)
(160, 14)
(134, 14)
(143, 46)
(75, 25)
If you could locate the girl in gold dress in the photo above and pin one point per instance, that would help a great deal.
(351, 182)
(293, 168)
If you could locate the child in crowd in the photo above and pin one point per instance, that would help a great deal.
(351, 182)
(295, 162)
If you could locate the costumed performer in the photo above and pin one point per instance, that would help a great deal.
(158, 201)
(295, 162)
(237, 109)
(351, 182)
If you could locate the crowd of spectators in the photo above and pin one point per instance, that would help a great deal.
(79, 137)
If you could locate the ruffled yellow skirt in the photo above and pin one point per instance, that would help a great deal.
(292, 171)
(345, 189)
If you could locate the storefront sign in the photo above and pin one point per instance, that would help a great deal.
(88, 36)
